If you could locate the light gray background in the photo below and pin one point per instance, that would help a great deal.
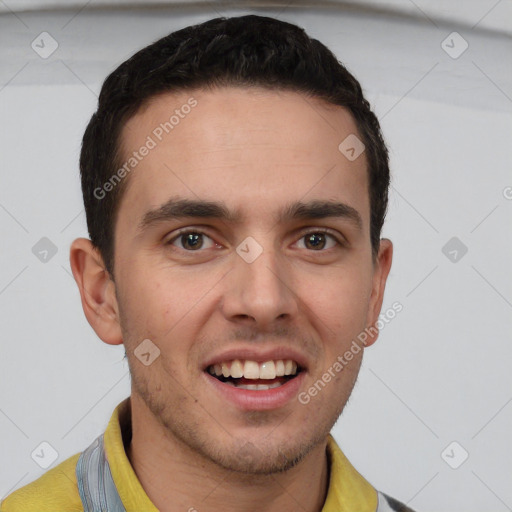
(440, 371)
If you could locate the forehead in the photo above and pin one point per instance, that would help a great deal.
(252, 148)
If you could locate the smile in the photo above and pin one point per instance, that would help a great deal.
(247, 374)
(252, 377)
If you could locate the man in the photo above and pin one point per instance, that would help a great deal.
(235, 183)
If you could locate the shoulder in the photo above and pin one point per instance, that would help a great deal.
(54, 491)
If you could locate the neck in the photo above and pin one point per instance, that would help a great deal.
(176, 478)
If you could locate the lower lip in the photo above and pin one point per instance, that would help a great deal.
(265, 399)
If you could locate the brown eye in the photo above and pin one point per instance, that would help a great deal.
(315, 241)
(318, 240)
(191, 241)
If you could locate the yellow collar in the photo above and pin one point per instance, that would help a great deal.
(347, 490)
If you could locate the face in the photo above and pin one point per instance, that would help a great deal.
(242, 248)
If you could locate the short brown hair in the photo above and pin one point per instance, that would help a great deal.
(247, 50)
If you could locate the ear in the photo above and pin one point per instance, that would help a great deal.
(97, 290)
(381, 270)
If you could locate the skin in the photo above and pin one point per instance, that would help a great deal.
(255, 150)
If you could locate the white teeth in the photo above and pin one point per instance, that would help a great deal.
(237, 369)
(251, 370)
(268, 370)
(254, 370)
(255, 387)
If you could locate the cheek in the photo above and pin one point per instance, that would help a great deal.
(340, 301)
(157, 296)
(167, 307)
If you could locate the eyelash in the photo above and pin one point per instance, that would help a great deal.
(323, 231)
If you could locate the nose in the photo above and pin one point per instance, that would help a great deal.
(260, 293)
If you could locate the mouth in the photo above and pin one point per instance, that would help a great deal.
(254, 376)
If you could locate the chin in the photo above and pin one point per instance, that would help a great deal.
(250, 459)
(263, 455)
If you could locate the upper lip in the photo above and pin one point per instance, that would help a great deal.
(259, 355)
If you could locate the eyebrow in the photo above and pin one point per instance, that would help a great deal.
(176, 208)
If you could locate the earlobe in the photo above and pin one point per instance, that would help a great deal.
(380, 274)
(97, 290)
